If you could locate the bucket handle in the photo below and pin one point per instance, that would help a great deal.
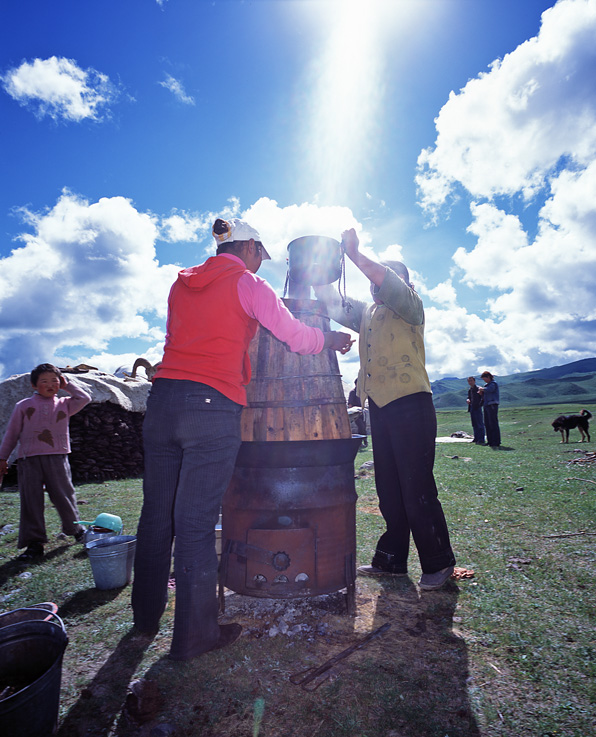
(51, 615)
(48, 606)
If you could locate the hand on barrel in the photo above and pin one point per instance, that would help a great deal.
(341, 342)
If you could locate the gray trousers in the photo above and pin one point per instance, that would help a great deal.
(54, 472)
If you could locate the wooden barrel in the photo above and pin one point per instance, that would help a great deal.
(294, 397)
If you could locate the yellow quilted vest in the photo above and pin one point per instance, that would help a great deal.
(391, 357)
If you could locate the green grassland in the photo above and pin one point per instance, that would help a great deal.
(510, 651)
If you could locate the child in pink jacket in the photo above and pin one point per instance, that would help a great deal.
(39, 424)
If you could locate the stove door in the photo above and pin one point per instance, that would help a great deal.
(292, 564)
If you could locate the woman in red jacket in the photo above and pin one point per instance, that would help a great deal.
(191, 432)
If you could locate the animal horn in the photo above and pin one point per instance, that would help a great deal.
(149, 369)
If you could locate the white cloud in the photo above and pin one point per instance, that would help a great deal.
(507, 130)
(500, 238)
(177, 89)
(86, 275)
(443, 294)
(192, 227)
(110, 361)
(510, 337)
(525, 128)
(60, 89)
(394, 252)
(543, 310)
(459, 344)
(85, 282)
(182, 226)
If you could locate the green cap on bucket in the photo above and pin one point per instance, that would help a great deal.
(107, 521)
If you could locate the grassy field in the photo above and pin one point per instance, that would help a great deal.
(510, 651)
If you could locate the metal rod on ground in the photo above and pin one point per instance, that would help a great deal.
(305, 677)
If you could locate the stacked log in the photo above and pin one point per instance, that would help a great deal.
(107, 443)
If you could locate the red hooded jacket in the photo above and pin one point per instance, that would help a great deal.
(208, 331)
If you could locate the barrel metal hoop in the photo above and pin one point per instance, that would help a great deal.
(259, 379)
(298, 403)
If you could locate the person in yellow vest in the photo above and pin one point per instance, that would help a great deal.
(402, 417)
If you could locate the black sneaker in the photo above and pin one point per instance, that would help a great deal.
(387, 563)
(432, 581)
(34, 550)
(79, 536)
(228, 633)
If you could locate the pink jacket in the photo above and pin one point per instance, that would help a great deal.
(40, 424)
(213, 311)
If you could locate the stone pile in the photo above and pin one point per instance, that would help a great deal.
(106, 442)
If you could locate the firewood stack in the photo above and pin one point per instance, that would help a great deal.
(106, 442)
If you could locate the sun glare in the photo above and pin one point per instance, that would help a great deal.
(347, 96)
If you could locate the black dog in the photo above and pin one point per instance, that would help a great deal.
(564, 423)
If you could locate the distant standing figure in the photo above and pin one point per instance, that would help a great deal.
(360, 422)
(39, 424)
(475, 409)
(490, 398)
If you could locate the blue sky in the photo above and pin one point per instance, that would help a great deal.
(459, 135)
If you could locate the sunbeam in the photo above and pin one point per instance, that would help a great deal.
(345, 110)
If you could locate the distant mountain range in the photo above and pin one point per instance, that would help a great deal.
(572, 383)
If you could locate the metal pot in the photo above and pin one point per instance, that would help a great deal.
(314, 260)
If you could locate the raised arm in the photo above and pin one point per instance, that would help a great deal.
(78, 399)
(373, 270)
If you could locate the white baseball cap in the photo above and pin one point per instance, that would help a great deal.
(240, 230)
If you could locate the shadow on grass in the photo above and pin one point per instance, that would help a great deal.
(14, 567)
(102, 700)
(423, 674)
(86, 601)
(412, 680)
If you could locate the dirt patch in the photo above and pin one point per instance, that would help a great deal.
(370, 510)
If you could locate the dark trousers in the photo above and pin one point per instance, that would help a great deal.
(403, 436)
(360, 423)
(477, 424)
(191, 436)
(491, 421)
(54, 472)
